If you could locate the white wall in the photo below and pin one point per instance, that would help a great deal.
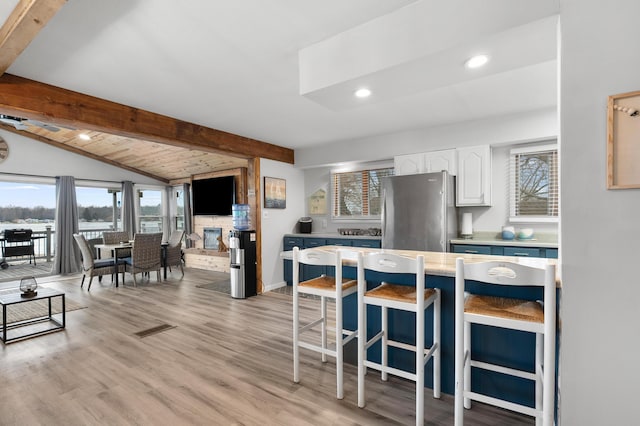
(599, 227)
(500, 132)
(534, 125)
(277, 222)
(27, 156)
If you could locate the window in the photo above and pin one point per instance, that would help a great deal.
(97, 208)
(150, 210)
(534, 184)
(357, 194)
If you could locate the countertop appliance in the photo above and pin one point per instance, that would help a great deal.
(419, 212)
(242, 255)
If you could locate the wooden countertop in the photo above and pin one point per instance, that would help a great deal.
(437, 263)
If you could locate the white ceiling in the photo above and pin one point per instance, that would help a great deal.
(234, 65)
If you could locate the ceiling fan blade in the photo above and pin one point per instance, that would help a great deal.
(19, 125)
(45, 126)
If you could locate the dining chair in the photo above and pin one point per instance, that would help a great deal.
(325, 287)
(412, 298)
(117, 237)
(146, 255)
(506, 313)
(91, 266)
(173, 251)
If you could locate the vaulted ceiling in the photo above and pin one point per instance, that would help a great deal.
(209, 85)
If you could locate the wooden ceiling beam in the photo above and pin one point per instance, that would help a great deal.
(26, 98)
(75, 150)
(22, 26)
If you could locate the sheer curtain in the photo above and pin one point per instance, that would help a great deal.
(128, 209)
(188, 224)
(67, 254)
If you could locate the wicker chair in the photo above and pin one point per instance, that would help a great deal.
(90, 266)
(116, 237)
(173, 255)
(146, 255)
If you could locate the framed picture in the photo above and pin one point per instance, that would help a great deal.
(318, 202)
(275, 193)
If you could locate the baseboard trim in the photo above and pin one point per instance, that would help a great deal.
(273, 286)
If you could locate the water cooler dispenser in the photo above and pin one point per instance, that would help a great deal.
(242, 253)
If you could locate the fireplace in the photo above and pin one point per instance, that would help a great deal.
(210, 239)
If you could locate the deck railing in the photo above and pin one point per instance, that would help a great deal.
(44, 244)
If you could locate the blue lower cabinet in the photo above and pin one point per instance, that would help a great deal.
(367, 243)
(551, 253)
(522, 252)
(288, 243)
(338, 242)
(471, 249)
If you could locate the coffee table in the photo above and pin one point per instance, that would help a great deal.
(54, 324)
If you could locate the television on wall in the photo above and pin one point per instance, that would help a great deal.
(214, 196)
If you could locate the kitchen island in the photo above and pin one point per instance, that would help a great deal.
(512, 348)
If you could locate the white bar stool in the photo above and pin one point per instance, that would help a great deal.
(402, 297)
(508, 313)
(325, 287)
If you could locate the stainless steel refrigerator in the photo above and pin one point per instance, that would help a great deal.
(418, 212)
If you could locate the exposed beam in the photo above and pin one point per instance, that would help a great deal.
(31, 99)
(75, 150)
(22, 26)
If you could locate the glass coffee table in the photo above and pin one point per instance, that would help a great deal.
(37, 324)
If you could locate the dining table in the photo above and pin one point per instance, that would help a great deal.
(114, 248)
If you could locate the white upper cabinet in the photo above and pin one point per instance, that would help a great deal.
(408, 164)
(436, 161)
(473, 187)
(426, 162)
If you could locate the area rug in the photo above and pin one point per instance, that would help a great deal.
(222, 286)
(36, 308)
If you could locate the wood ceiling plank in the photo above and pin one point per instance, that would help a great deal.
(66, 147)
(22, 26)
(31, 99)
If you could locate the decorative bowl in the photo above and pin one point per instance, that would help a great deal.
(525, 234)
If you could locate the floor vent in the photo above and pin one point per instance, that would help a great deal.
(154, 330)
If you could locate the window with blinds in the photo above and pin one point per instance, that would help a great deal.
(534, 183)
(357, 194)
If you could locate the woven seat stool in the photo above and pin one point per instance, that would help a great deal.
(400, 297)
(508, 313)
(326, 287)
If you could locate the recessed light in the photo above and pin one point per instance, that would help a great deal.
(363, 93)
(84, 137)
(476, 61)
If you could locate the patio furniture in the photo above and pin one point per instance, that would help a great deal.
(146, 255)
(172, 255)
(18, 242)
(91, 266)
(117, 237)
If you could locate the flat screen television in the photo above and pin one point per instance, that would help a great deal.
(214, 196)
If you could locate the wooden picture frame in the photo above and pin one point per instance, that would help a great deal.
(623, 141)
(275, 193)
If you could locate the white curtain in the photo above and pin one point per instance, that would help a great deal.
(67, 254)
(128, 215)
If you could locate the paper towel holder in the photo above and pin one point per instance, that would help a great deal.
(466, 230)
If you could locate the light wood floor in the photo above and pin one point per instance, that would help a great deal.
(226, 362)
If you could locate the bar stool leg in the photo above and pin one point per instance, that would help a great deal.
(385, 338)
(339, 349)
(323, 324)
(362, 352)
(437, 334)
(296, 336)
(539, 372)
(420, 365)
(467, 364)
